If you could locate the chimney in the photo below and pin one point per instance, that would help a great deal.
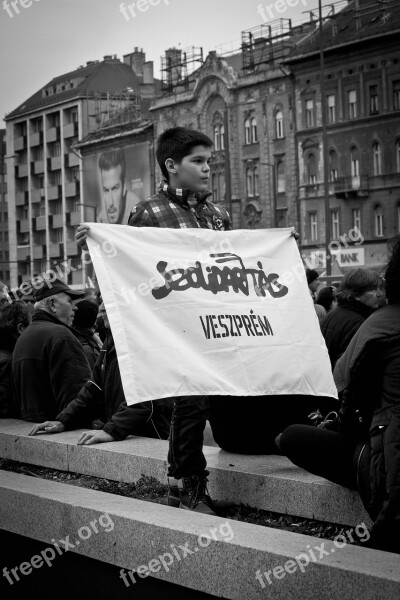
(136, 60)
(173, 61)
(148, 73)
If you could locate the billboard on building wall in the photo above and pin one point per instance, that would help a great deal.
(116, 179)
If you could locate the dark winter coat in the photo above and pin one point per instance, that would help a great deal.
(339, 326)
(368, 376)
(49, 368)
(103, 396)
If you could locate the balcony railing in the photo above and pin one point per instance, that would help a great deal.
(355, 186)
(53, 134)
(38, 252)
(54, 192)
(24, 226)
(54, 250)
(19, 143)
(37, 195)
(75, 218)
(71, 189)
(35, 139)
(70, 130)
(57, 221)
(22, 170)
(41, 223)
(72, 249)
(21, 198)
(55, 163)
(23, 252)
(38, 167)
(71, 160)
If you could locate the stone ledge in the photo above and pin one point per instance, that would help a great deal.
(142, 531)
(265, 482)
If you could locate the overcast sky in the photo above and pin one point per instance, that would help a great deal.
(51, 37)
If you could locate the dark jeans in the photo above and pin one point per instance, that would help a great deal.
(185, 455)
(322, 452)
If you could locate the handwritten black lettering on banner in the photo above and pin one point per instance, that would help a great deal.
(217, 280)
(220, 326)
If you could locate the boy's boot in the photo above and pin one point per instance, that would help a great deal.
(190, 493)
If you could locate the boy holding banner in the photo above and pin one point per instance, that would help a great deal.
(183, 201)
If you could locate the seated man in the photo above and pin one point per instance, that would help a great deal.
(49, 364)
(103, 394)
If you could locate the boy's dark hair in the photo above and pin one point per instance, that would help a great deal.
(112, 160)
(176, 143)
(355, 283)
(10, 316)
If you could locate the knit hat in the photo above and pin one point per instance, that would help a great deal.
(86, 314)
(311, 275)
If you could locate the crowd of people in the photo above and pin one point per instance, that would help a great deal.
(59, 369)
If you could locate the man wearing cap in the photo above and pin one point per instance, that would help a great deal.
(49, 363)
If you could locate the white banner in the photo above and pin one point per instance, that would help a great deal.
(197, 311)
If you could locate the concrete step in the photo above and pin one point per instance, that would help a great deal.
(265, 482)
(228, 559)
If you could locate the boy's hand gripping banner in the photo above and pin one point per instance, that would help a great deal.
(196, 311)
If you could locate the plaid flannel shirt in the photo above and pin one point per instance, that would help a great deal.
(175, 210)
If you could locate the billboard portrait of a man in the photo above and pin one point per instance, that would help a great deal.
(117, 200)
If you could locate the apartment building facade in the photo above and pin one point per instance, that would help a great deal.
(45, 173)
(361, 46)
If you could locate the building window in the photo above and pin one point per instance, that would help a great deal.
(310, 113)
(249, 181)
(254, 137)
(352, 103)
(331, 108)
(335, 224)
(355, 162)
(311, 169)
(56, 149)
(398, 156)
(222, 137)
(396, 94)
(221, 187)
(378, 216)
(377, 159)
(333, 166)
(280, 176)
(279, 124)
(313, 226)
(398, 218)
(356, 218)
(216, 137)
(373, 99)
(256, 182)
(247, 131)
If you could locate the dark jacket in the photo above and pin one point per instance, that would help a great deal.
(6, 394)
(89, 344)
(339, 326)
(103, 396)
(49, 368)
(368, 378)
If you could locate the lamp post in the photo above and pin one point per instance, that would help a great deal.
(324, 145)
(273, 195)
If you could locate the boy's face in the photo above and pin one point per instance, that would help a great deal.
(193, 171)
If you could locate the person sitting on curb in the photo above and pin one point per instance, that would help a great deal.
(103, 395)
(14, 319)
(49, 364)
